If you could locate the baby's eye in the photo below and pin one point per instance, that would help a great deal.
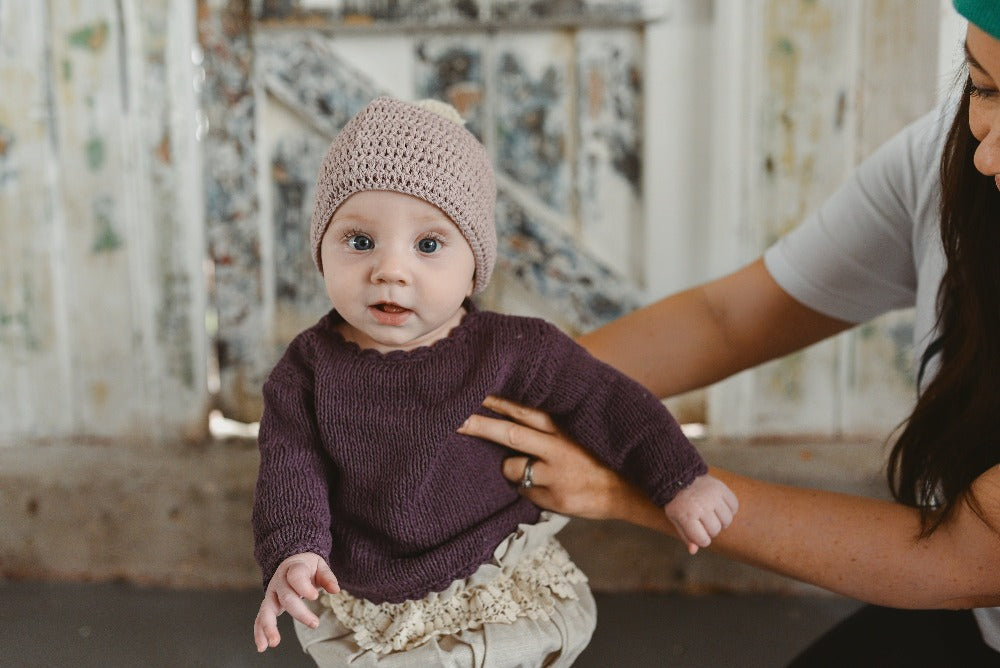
(360, 242)
(428, 245)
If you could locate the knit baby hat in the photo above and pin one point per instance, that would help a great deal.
(983, 13)
(418, 149)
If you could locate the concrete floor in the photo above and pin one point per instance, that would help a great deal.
(53, 625)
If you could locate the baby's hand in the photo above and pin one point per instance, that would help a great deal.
(701, 510)
(297, 577)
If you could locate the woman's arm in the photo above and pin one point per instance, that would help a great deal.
(863, 548)
(709, 332)
(866, 548)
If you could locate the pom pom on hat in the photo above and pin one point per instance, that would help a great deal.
(418, 149)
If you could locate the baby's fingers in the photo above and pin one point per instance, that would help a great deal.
(265, 627)
(296, 607)
(299, 577)
(693, 533)
(724, 513)
(326, 579)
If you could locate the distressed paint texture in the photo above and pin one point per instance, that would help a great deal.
(575, 10)
(305, 74)
(879, 372)
(822, 66)
(609, 161)
(454, 70)
(231, 201)
(372, 12)
(100, 307)
(91, 158)
(533, 107)
(448, 14)
(35, 399)
(579, 291)
(168, 218)
(800, 123)
(299, 295)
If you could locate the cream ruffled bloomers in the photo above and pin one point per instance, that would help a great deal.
(529, 571)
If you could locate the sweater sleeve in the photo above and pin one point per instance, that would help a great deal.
(615, 417)
(291, 508)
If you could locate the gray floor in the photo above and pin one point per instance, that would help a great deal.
(113, 625)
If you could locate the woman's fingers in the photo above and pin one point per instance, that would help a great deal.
(513, 469)
(530, 417)
(525, 439)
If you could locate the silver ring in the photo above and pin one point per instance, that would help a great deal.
(526, 481)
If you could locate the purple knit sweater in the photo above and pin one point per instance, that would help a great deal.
(361, 461)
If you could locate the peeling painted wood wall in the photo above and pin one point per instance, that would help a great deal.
(101, 274)
(826, 82)
(157, 165)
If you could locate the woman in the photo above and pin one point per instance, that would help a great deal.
(918, 224)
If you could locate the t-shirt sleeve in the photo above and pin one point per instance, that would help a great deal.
(853, 258)
(613, 416)
(291, 509)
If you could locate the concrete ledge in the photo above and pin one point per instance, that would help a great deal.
(181, 517)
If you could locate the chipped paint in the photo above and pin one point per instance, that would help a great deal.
(299, 293)
(106, 237)
(8, 171)
(311, 79)
(552, 265)
(95, 152)
(575, 10)
(90, 37)
(450, 69)
(532, 119)
(232, 206)
(371, 12)
(22, 327)
(608, 159)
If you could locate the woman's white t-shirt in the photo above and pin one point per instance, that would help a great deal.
(875, 246)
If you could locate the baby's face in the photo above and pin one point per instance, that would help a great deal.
(397, 269)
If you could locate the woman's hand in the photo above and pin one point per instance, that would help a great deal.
(565, 478)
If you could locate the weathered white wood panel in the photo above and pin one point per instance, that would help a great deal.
(817, 71)
(609, 154)
(35, 397)
(897, 83)
(801, 69)
(107, 270)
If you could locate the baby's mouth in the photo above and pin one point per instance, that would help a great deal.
(386, 307)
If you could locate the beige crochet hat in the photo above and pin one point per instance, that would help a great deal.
(419, 149)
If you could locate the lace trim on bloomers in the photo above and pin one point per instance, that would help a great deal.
(528, 589)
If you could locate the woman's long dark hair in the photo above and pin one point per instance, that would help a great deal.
(953, 434)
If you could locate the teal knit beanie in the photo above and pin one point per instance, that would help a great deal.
(985, 14)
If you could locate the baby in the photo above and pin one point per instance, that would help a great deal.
(438, 560)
